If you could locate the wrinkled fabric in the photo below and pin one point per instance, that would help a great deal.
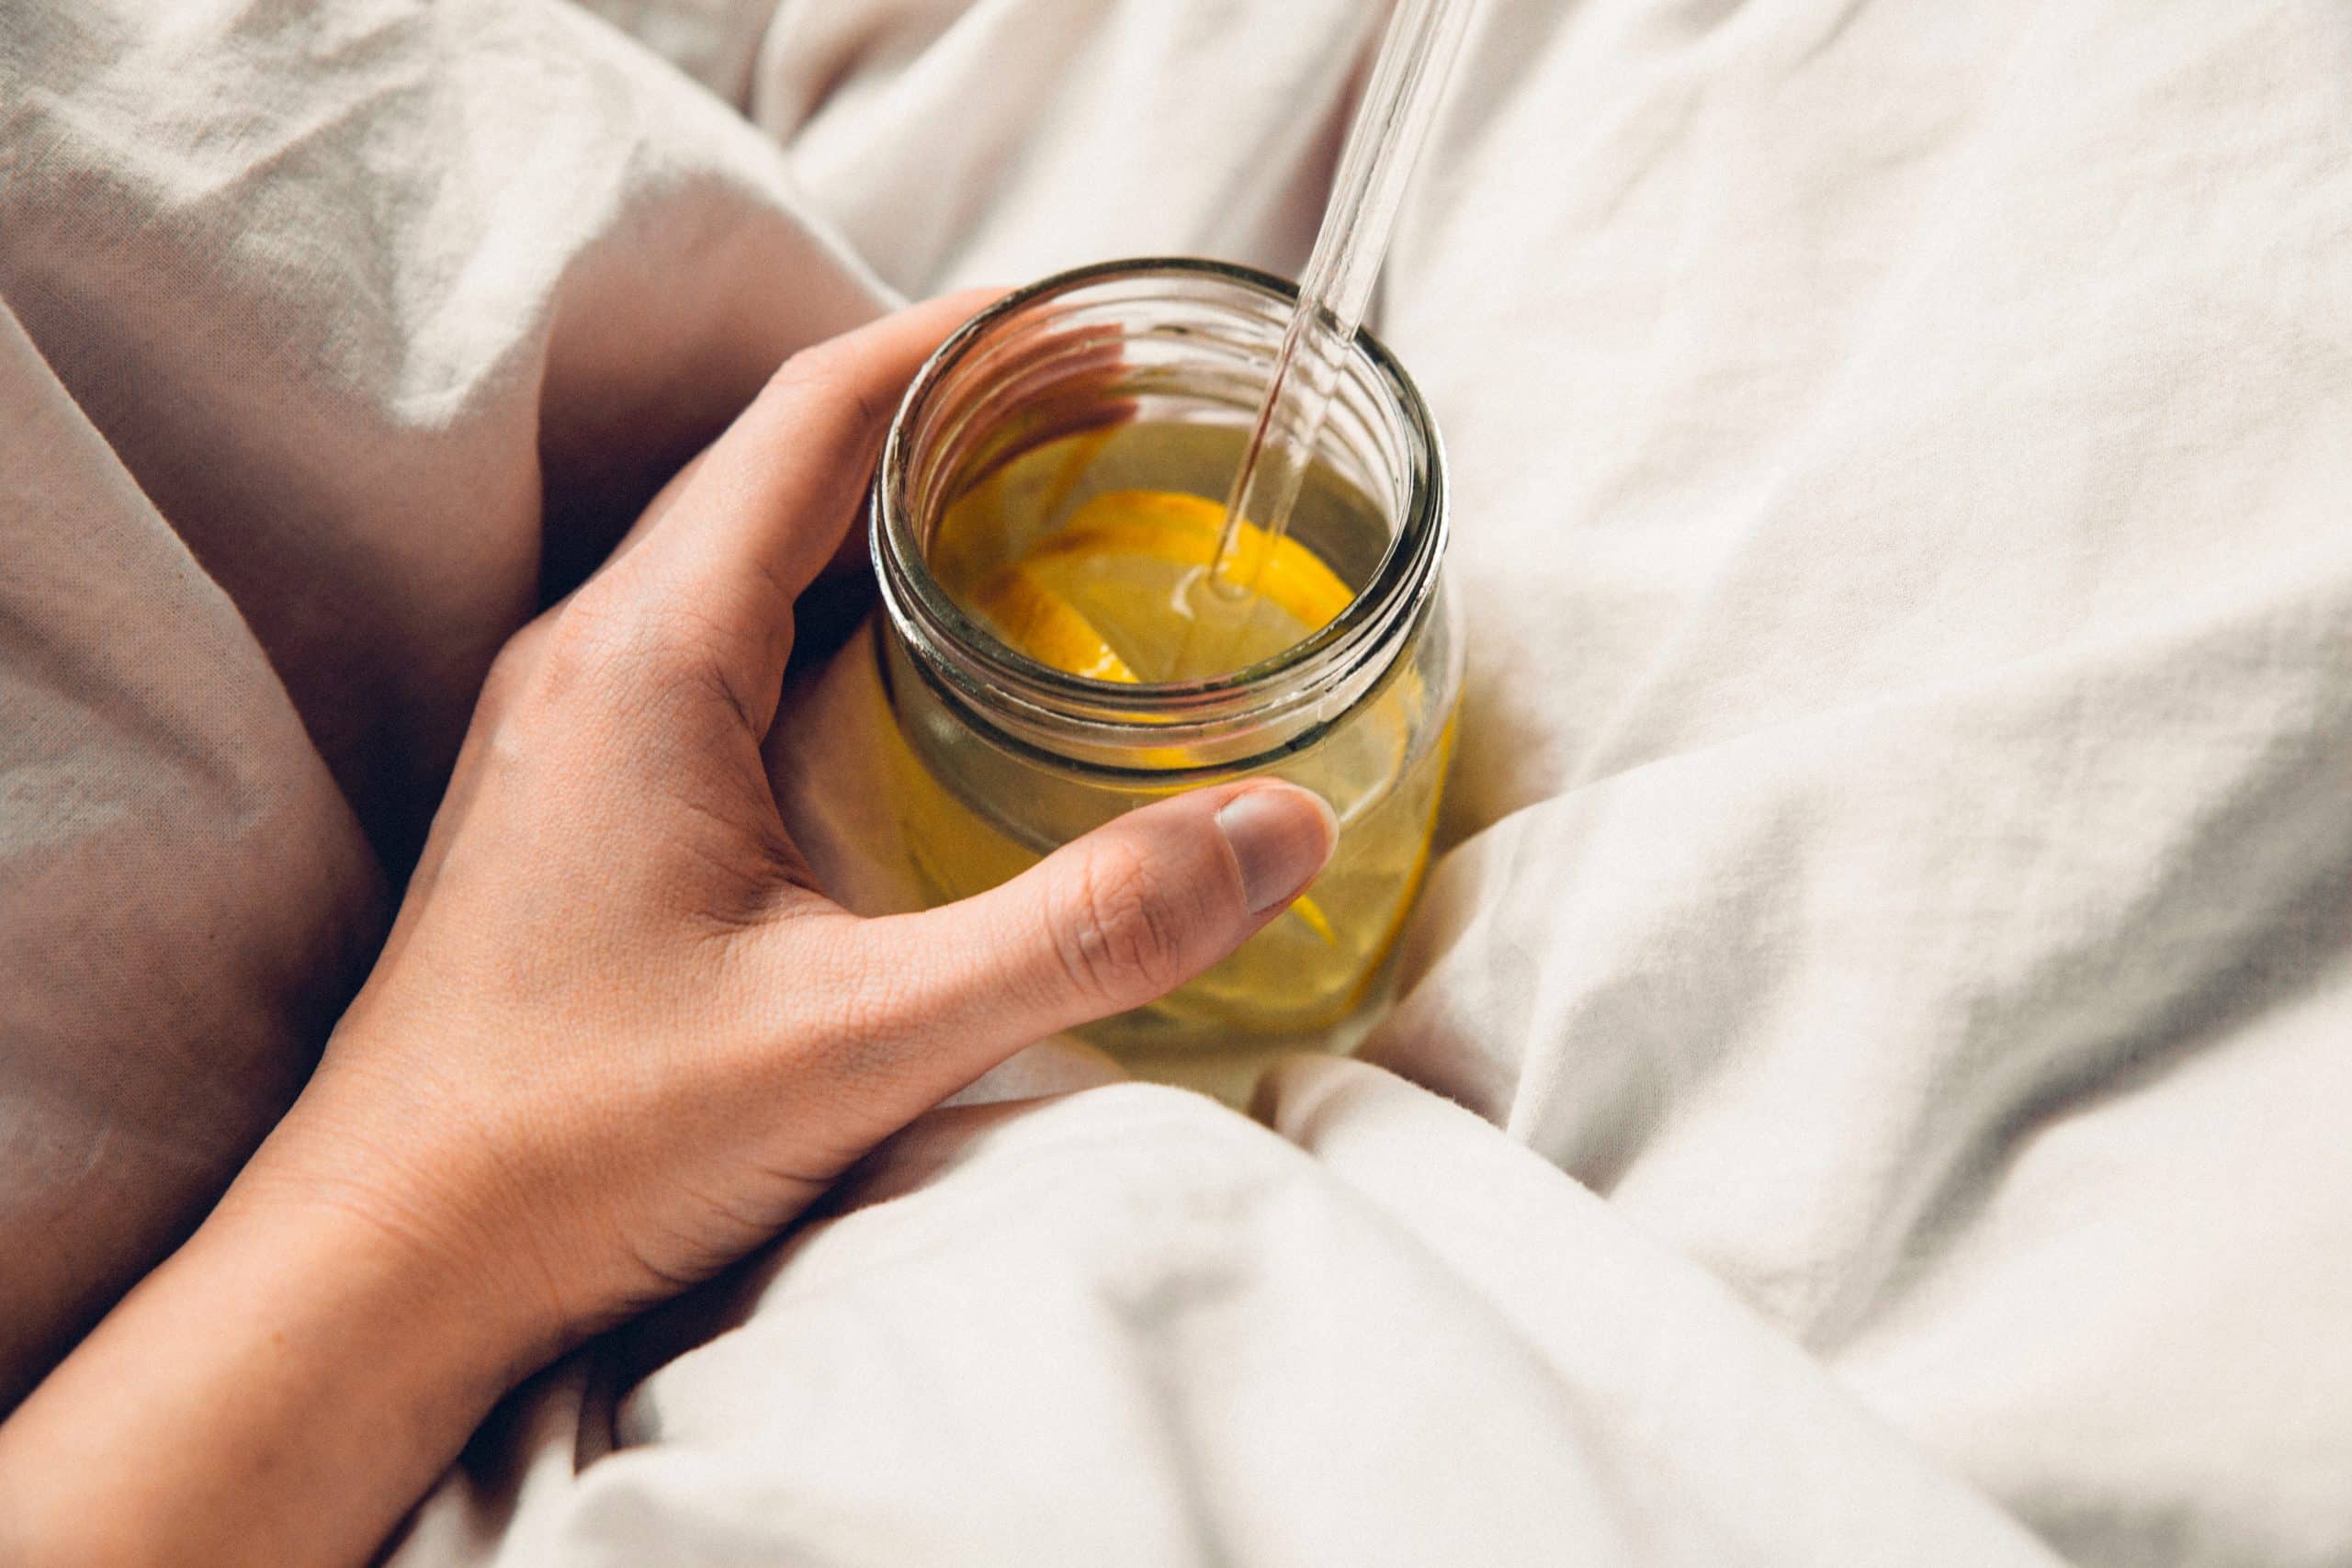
(329, 332)
(1892, 963)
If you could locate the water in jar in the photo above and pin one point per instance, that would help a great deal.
(1088, 553)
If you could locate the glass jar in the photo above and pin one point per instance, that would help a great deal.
(1145, 375)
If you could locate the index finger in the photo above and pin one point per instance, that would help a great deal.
(758, 515)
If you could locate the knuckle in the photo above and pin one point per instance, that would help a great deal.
(628, 640)
(829, 372)
(594, 639)
(1117, 933)
(538, 680)
(509, 674)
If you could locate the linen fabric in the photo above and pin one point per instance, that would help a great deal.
(1866, 1084)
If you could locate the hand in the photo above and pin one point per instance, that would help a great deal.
(617, 1037)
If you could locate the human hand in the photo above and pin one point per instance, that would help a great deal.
(616, 1037)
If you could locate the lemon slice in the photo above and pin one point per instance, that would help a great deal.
(1175, 529)
(967, 544)
(1041, 623)
(1181, 530)
(1039, 617)
(1308, 910)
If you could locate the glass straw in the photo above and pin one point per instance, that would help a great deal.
(1417, 54)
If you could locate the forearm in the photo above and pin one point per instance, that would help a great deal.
(279, 1392)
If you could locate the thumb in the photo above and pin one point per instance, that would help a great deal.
(1111, 922)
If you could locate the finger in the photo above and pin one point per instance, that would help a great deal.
(1111, 922)
(664, 501)
(776, 493)
(762, 511)
(1061, 388)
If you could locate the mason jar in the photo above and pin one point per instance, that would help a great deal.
(1145, 375)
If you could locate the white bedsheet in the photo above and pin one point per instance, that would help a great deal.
(1896, 950)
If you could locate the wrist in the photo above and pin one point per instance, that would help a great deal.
(321, 1357)
(380, 1234)
(336, 1271)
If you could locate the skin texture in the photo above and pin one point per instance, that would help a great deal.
(616, 1038)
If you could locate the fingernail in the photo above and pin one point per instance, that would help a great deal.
(1281, 836)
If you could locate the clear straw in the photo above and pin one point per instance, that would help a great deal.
(1417, 56)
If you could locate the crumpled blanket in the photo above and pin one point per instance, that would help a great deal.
(1867, 1080)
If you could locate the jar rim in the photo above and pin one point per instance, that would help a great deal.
(1378, 619)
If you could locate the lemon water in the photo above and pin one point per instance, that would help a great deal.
(1089, 554)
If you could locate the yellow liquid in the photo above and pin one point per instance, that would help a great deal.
(1087, 526)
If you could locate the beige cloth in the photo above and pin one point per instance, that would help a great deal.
(338, 286)
(1897, 959)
